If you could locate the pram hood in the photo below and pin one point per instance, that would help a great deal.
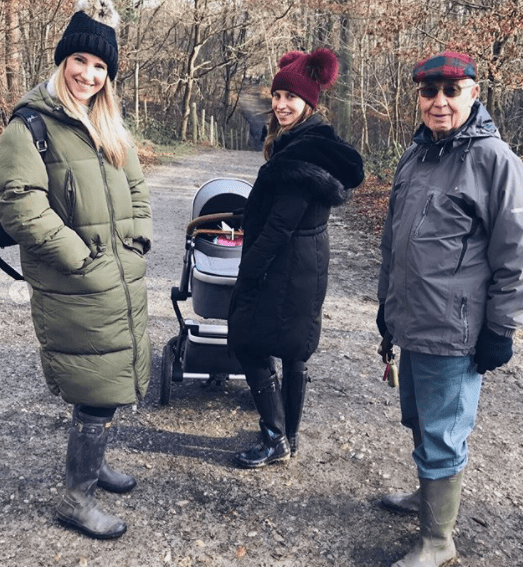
(220, 195)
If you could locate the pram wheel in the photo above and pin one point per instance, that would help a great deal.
(169, 372)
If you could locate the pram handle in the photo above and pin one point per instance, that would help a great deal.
(204, 219)
(238, 232)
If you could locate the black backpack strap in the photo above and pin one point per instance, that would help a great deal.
(34, 121)
(9, 270)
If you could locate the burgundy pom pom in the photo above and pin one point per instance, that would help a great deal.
(290, 57)
(323, 66)
(305, 74)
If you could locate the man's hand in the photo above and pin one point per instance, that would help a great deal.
(380, 320)
(385, 348)
(492, 350)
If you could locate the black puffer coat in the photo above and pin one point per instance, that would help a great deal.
(276, 305)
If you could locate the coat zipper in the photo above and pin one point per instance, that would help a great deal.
(423, 215)
(71, 197)
(464, 318)
(120, 268)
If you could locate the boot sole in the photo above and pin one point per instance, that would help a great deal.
(448, 563)
(67, 522)
(279, 460)
(116, 489)
(398, 510)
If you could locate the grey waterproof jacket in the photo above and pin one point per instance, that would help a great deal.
(89, 316)
(452, 245)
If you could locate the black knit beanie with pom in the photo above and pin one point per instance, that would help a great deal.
(92, 30)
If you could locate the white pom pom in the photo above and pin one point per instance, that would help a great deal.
(102, 11)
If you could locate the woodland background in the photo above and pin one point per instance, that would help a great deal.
(181, 59)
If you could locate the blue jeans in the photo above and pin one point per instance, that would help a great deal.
(439, 398)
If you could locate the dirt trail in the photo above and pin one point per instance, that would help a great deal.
(254, 108)
(192, 507)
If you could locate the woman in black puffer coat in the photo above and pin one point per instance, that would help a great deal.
(276, 305)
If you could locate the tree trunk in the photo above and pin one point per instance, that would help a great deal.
(191, 66)
(345, 107)
(12, 56)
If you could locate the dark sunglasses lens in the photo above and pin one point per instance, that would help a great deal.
(451, 91)
(428, 92)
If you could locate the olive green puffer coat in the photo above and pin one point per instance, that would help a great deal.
(81, 225)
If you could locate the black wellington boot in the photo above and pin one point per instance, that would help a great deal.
(293, 386)
(85, 453)
(274, 446)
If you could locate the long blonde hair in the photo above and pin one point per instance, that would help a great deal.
(102, 117)
(274, 130)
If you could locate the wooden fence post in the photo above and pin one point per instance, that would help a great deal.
(194, 124)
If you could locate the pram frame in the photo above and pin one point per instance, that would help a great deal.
(173, 351)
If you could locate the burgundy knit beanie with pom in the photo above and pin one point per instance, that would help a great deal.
(306, 74)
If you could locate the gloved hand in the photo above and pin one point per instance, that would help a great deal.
(492, 350)
(385, 348)
(380, 320)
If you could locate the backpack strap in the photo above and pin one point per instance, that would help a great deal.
(10, 271)
(34, 121)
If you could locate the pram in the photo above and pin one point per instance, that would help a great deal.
(210, 267)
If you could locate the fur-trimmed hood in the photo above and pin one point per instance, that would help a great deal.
(311, 158)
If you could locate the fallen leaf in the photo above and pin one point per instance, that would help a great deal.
(241, 551)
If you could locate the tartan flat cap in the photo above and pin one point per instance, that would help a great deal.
(447, 65)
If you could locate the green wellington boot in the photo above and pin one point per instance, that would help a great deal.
(438, 512)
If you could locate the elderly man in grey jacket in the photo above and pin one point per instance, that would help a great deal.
(450, 286)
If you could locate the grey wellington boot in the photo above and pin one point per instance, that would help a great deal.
(85, 453)
(293, 389)
(114, 481)
(405, 502)
(439, 509)
(108, 478)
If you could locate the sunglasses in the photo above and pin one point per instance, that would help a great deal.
(450, 91)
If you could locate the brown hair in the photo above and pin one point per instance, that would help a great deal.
(274, 130)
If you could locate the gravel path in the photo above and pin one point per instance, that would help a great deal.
(192, 507)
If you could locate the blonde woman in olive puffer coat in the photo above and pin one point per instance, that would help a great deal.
(83, 221)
